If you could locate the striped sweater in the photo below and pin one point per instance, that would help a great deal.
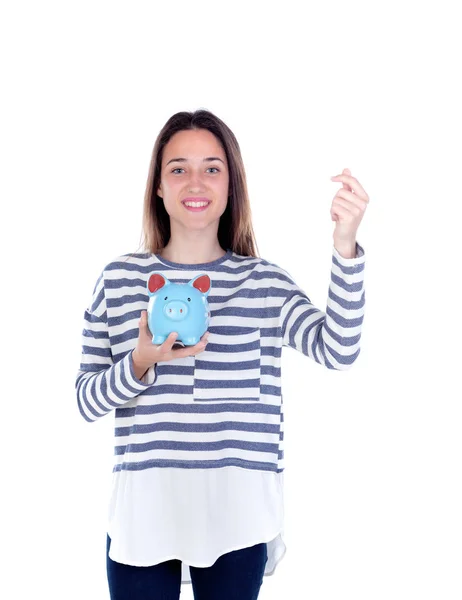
(222, 407)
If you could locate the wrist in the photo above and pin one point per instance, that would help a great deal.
(139, 369)
(139, 363)
(346, 248)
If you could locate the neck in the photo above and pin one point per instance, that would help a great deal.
(194, 255)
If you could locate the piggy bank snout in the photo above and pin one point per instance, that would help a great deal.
(176, 310)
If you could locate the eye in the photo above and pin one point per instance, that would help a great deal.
(180, 169)
(189, 299)
(165, 297)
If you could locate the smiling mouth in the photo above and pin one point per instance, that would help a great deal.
(196, 207)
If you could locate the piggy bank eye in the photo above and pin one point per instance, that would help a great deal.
(189, 299)
(165, 297)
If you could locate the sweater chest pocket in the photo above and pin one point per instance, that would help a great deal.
(229, 369)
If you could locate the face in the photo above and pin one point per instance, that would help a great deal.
(193, 176)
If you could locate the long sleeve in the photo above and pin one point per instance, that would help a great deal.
(330, 338)
(101, 383)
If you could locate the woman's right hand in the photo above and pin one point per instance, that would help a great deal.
(146, 353)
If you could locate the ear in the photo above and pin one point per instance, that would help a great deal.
(201, 283)
(156, 282)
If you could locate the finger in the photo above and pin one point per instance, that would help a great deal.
(201, 344)
(333, 216)
(190, 350)
(344, 213)
(143, 324)
(348, 206)
(167, 344)
(142, 321)
(350, 197)
(145, 320)
(345, 185)
(356, 187)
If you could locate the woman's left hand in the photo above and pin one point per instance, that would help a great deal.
(348, 207)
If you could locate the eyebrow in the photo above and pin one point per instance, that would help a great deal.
(208, 159)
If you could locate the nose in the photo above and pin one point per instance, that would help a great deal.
(196, 182)
(176, 310)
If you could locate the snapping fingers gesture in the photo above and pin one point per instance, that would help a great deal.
(348, 206)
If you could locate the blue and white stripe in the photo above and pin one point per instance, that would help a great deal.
(223, 406)
(330, 338)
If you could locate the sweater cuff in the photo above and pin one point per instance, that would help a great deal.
(358, 258)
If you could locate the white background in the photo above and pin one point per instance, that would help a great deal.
(373, 455)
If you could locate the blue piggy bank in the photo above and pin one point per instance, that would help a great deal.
(180, 307)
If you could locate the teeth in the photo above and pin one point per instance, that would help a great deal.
(196, 204)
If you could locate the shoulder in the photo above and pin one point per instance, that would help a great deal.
(258, 264)
(131, 261)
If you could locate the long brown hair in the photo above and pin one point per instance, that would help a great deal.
(235, 230)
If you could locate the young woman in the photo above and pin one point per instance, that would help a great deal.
(198, 441)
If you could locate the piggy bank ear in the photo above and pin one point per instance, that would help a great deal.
(155, 283)
(201, 283)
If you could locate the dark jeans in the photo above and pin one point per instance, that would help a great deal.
(237, 575)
